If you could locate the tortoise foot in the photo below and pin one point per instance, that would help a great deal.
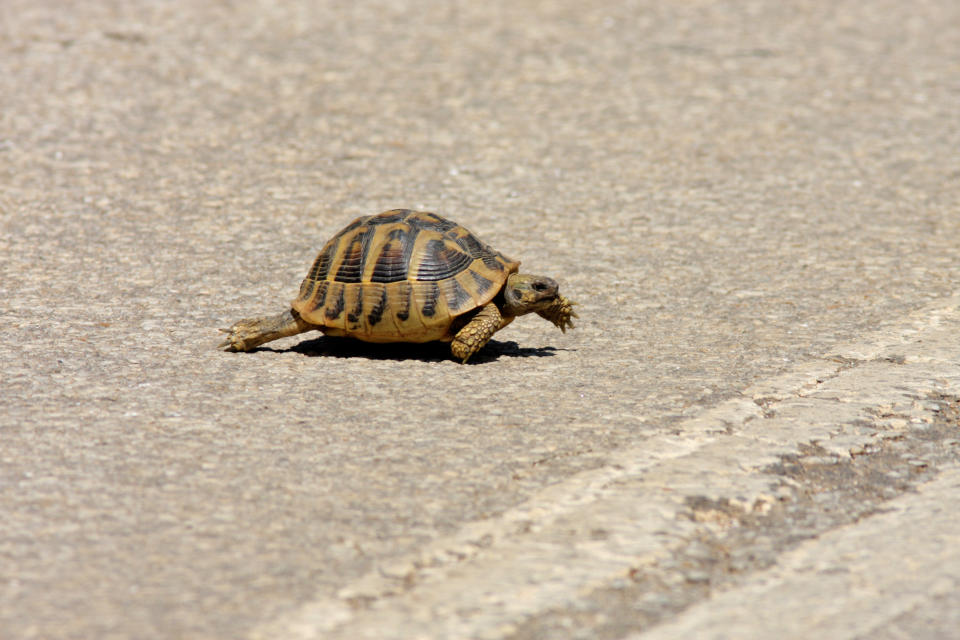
(560, 313)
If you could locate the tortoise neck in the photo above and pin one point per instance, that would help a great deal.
(509, 306)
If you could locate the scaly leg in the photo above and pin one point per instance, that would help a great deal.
(252, 332)
(477, 332)
(560, 313)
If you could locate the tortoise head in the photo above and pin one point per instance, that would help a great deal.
(525, 293)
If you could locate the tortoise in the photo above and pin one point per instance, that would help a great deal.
(409, 276)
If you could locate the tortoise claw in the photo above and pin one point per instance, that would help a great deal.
(226, 344)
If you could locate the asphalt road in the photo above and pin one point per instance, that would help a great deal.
(755, 205)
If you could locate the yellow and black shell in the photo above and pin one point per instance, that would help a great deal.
(400, 276)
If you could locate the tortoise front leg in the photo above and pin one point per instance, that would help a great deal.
(560, 313)
(477, 332)
(252, 332)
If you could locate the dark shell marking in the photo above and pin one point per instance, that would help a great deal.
(400, 275)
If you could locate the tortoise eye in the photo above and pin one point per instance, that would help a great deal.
(539, 286)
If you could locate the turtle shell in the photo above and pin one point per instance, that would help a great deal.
(400, 276)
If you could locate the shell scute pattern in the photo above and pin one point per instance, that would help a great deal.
(350, 269)
(334, 311)
(400, 275)
(392, 257)
(442, 259)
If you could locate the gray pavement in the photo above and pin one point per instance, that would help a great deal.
(755, 204)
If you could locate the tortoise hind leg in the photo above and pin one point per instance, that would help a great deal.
(477, 332)
(252, 332)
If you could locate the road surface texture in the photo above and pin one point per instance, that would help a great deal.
(753, 432)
